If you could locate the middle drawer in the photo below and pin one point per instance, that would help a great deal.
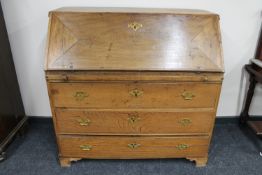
(106, 122)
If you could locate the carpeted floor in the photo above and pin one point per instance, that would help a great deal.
(234, 151)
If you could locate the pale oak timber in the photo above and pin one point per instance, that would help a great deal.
(128, 83)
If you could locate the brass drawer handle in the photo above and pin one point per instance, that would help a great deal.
(86, 147)
(133, 118)
(133, 145)
(185, 121)
(182, 146)
(84, 122)
(136, 93)
(135, 26)
(79, 96)
(188, 95)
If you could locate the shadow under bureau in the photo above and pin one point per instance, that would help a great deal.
(130, 83)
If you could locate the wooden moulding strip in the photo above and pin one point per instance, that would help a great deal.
(61, 76)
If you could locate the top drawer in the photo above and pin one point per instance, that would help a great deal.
(134, 95)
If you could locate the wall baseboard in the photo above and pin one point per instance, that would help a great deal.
(219, 120)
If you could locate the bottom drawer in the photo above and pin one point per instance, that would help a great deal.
(132, 147)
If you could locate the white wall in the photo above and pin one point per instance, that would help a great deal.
(27, 27)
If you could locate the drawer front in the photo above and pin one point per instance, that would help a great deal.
(132, 147)
(134, 95)
(132, 122)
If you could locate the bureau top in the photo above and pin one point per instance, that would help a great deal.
(131, 10)
(134, 39)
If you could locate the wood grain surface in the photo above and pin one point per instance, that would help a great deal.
(119, 95)
(147, 147)
(131, 122)
(105, 41)
(133, 83)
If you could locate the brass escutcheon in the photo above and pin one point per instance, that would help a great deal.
(79, 96)
(136, 93)
(133, 118)
(205, 78)
(182, 146)
(188, 95)
(135, 25)
(86, 147)
(133, 145)
(185, 121)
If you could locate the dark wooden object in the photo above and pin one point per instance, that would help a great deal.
(12, 115)
(255, 73)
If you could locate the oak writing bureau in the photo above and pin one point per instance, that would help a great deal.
(131, 83)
